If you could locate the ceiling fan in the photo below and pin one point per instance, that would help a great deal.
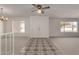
(39, 8)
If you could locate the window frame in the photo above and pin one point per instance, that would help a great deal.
(64, 26)
(19, 30)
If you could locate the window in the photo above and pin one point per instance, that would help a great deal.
(18, 26)
(69, 27)
(22, 26)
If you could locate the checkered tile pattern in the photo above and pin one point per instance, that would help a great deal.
(40, 47)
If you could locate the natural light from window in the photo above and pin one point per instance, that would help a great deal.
(22, 26)
(69, 27)
(18, 26)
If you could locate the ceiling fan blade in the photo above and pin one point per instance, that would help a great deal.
(46, 7)
(34, 5)
(38, 6)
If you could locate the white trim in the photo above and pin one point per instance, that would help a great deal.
(13, 45)
(5, 34)
(0, 45)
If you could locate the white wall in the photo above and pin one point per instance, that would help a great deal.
(1, 27)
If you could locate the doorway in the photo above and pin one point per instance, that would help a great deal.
(39, 27)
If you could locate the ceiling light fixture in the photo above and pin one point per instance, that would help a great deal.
(39, 11)
(2, 17)
(40, 8)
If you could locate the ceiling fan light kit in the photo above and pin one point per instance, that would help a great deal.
(40, 8)
(39, 11)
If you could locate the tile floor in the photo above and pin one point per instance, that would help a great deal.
(40, 47)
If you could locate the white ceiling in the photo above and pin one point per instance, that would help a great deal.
(56, 10)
